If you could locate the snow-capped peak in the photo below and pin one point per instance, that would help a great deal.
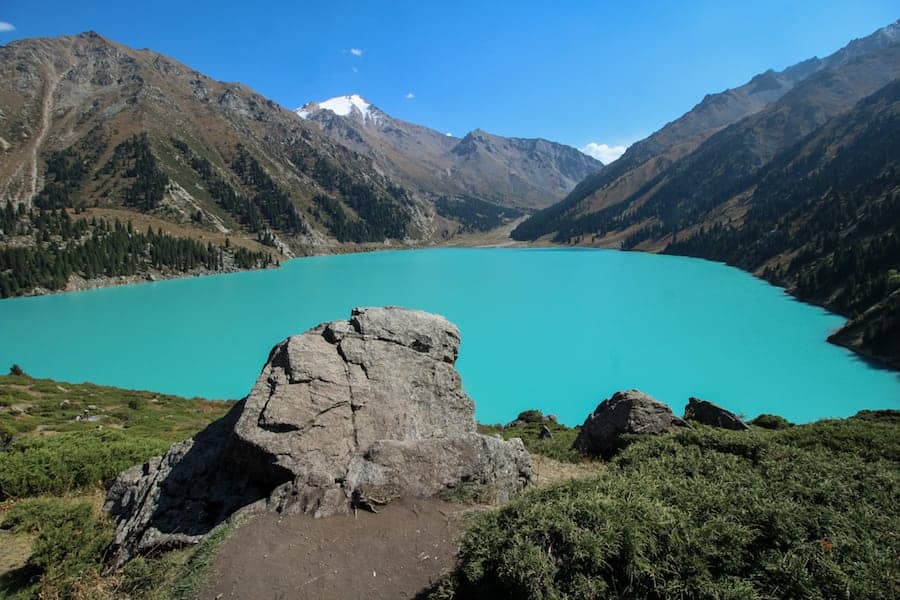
(343, 106)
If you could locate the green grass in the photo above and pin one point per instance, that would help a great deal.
(805, 512)
(53, 460)
(60, 437)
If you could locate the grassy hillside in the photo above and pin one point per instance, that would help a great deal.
(801, 512)
(60, 444)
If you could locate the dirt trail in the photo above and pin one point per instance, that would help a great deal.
(46, 115)
(394, 554)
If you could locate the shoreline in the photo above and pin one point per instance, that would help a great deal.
(494, 239)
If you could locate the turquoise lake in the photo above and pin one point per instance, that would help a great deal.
(554, 329)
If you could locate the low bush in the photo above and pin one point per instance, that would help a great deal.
(806, 512)
(771, 422)
(61, 463)
(68, 551)
(531, 416)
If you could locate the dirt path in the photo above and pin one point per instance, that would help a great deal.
(46, 115)
(390, 555)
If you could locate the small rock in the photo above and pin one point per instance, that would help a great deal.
(628, 412)
(545, 433)
(713, 415)
(551, 418)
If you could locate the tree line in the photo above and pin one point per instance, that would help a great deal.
(64, 247)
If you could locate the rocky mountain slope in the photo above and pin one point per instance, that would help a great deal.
(823, 219)
(511, 172)
(88, 123)
(783, 114)
(801, 191)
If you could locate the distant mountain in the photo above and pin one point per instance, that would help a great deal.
(90, 124)
(802, 190)
(511, 172)
(830, 85)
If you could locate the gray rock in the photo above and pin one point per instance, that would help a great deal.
(627, 412)
(707, 413)
(545, 433)
(349, 413)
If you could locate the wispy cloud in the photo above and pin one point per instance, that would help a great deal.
(604, 152)
(409, 95)
(4, 26)
(356, 51)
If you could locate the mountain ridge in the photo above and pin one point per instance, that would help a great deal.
(521, 173)
(648, 158)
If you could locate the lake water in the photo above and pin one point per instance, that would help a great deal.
(554, 329)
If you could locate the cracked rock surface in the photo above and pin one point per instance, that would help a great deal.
(357, 411)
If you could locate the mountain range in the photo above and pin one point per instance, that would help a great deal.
(792, 176)
(94, 126)
(512, 172)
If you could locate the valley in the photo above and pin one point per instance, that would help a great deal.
(364, 330)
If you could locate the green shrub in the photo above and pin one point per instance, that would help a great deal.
(6, 435)
(531, 416)
(16, 370)
(807, 512)
(34, 465)
(771, 422)
(70, 545)
(33, 514)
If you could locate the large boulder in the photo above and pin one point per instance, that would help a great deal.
(355, 412)
(625, 413)
(707, 413)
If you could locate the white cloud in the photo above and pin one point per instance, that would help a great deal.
(409, 95)
(603, 152)
(356, 51)
(448, 134)
(4, 26)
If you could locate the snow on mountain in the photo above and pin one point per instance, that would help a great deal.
(341, 105)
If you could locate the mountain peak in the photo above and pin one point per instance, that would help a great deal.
(344, 106)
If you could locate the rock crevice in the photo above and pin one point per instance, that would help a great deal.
(350, 412)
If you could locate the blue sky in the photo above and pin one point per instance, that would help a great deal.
(575, 72)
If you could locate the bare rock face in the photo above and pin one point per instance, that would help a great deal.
(707, 413)
(354, 412)
(628, 412)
